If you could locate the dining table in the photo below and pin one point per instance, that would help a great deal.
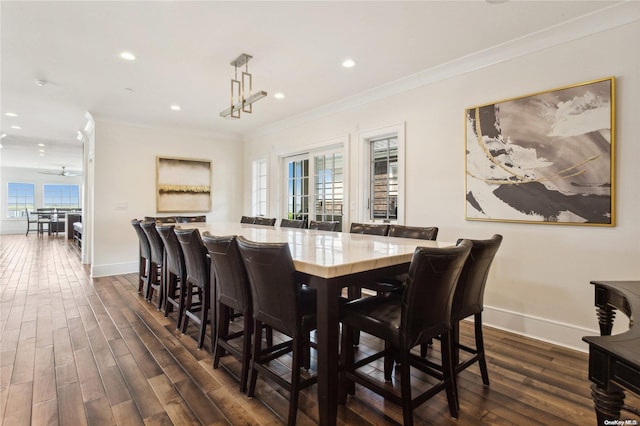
(330, 261)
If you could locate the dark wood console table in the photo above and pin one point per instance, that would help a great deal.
(614, 361)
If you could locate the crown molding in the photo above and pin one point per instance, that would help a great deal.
(611, 17)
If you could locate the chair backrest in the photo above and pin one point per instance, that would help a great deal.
(324, 226)
(190, 219)
(428, 296)
(417, 232)
(145, 249)
(267, 221)
(161, 219)
(370, 228)
(232, 283)
(175, 257)
(274, 290)
(195, 256)
(469, 295)
(247, 219)
(155, 243)
(292, 223)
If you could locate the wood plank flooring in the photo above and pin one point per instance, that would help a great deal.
(82, 351)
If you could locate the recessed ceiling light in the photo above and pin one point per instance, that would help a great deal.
(10, 114)
(41, 144)
(279, 95)
(348, 63)
(16, 127)
(3, 135)
(176, 107)
(128, 56)
(41, 82)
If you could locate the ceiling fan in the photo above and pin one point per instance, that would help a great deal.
(64, 172)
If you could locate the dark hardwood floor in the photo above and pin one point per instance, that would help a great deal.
(76, 350)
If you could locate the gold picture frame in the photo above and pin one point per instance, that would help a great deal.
(183, 185)
(546, 157)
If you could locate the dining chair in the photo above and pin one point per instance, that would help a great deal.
(266, 221)
(233, 296)
(197, 283)
(396, 283)
(191, 219)
(416, 232)
(248, 219)
(292, 223)
(406, 320)
(144, 262)
(176, 273)
(468, 300)
(156, 280)
(31, 218)
(369, 228)
(281, 303)
(324, 225)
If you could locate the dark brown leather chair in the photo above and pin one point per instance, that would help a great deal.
(161, 219)
(324, 226)
(198, 281)
(292, 223)
(144, 268)
(248, 219)
(233, 295)
(176, 273)
(156, 281)
(281, 303)
(469, 300)
(370, 228)
(404, 321)
(191, 219)
(416, 232)
(265, 221)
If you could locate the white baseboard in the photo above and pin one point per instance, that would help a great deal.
(114, 269)
(550, 331)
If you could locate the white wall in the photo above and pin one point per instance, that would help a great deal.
(124, 167)
(24, 175)
(539, 285)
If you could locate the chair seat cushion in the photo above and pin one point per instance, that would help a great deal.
(378, 315)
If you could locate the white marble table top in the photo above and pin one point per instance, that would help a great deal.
(326, 254)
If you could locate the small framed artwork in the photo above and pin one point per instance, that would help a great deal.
(545, 158)
(183, 185)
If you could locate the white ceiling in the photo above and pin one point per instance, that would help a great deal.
(184, 49)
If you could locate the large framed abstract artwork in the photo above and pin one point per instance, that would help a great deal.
(183, 185)
(543, 158)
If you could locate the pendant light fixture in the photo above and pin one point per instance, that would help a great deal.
(242, 97)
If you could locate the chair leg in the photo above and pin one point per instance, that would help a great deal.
(298, 358)
(354, 293)
(389, 360)
(449, 377)
(257, 347)
(405, 388)
(480, 349)
(204, 317)
(222, 332)
(187, 306)
(246, 351)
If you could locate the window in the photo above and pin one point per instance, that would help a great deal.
(20, 196)
(259, 189)
(382, 178)
(297, 188)
(61, 196)
(329, 187)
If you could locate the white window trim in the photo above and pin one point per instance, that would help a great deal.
(310, 149)
(364, 142)
(253, 163)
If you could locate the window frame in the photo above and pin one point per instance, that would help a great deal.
(332, 145)
(365, 138)
(44, 195)
(257, 189)
(8, 204)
